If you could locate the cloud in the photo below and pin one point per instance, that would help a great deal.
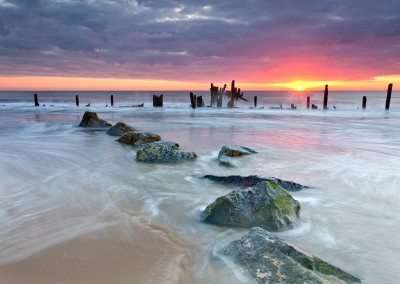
(257, 40)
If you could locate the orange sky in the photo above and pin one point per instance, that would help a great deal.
(186, 45)
(74, 83)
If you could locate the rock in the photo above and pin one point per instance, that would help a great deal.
(90, 119)
(228, 151)
(227, 161)
(119, 129)
(266, 205)
(163, 152)
(250, 181)
(134, 138)
(270, 259)
(234, 150)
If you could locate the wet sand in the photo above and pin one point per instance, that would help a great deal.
(120, 253)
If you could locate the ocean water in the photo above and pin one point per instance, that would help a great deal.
(59, 180)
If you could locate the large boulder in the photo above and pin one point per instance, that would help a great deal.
(162, 152)
(250, 181)
(269, 259)
(229, 151)
(90, 119)
(119, 129)
(266, 205)
(135, 138)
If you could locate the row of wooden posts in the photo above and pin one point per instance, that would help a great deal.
(217, 95)
(325, 102)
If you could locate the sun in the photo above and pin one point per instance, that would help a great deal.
(299, 88)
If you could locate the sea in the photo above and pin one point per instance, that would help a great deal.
(59, 180)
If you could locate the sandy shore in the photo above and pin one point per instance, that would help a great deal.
(120, 253)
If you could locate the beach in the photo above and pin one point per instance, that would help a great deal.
(76, 206)
(119, 253)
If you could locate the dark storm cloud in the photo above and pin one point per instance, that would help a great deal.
(200, 40)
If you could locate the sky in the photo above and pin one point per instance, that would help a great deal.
(186, 45)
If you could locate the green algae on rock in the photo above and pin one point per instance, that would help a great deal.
(266, 205)
(162, 152)
(269, 259)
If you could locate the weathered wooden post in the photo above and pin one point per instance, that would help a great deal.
(231, 103)
(364, 102)
(308, 102)
(155, 100)
(255, 101)
(388, 96)
(326, 97)
(220, 96)
(35, 96)
(214, 94)
(199, 101)
(192, 100)
(77, 100)
(112, 100)
(158, 100)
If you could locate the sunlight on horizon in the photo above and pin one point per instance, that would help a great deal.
(41, 83)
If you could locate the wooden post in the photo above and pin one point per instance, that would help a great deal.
(77, 100)
(221, 94)
(388, 96)
(214, 94)
(155, 100)
(219, 98)
(199, 101)
(35, 96)
(192, 101)
(255, 101)
(308, 102)
(326, 97)
(158, 100)
(364, 102)
(231, 103)
(112, 100)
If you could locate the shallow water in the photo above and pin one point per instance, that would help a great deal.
(59, 180)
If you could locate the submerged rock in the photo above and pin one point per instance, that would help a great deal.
(228, 151)
(134, 138)
(163, 152)
(266, 205)
(227, 161)
(119, 129)
(234, 150)
(249, 181)
(90, 119)
(270, 259)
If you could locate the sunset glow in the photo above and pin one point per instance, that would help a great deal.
(30, 83)
(188, 45)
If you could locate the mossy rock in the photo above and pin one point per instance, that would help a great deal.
(136, 138)
(119, 129)
(162, 152)
(269, 259)
(266, 205)
(234, 150)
